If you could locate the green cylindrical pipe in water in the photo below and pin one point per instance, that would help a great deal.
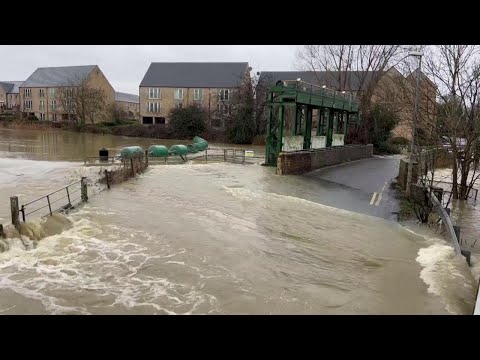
(131, 152)
(178, 150)
(157, 151)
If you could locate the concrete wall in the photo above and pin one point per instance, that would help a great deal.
(292, 143)
(403, 172)
(300, 162)
(338, 140)
(319, 142)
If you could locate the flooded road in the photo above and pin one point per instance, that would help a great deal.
(217, 239)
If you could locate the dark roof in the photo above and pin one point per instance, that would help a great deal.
(351, 79)
(16, 85)
(201, 75)
(6, 86)
(119, 96)
(57, 76)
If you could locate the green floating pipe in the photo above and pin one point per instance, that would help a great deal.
(131, 152)
(158, 151)
(178, 150)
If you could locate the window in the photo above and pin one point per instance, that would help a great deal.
(28, 104)
(154, 93)
(27, 92)
(42, 117)
(223, 109)
(197, 94)
(178, 94)
(41, 93)
(42, 105)
(53, 105)
(153, 107)
(224, 94)
(53, 92)
(54, 117)
(178, 105)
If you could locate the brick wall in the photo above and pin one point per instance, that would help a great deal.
(300, 162)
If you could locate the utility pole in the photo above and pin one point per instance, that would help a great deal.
(414, 123)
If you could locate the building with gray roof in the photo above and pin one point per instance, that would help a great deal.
(169, 85)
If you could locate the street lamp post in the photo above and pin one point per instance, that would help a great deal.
(415, 53)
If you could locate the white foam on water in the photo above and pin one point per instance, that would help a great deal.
(447, 276)
(77, 272)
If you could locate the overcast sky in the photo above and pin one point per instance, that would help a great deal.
(125, 65)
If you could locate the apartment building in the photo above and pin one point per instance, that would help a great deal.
(166, 86)
(391, 87)
(39, 94)
(9, 95)
(129, 104)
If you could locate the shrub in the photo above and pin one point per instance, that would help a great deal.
(188, 122)
(399, 140)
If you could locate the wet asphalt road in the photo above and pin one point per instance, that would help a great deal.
(362, 186)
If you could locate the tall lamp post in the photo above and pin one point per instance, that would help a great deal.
(416, 52)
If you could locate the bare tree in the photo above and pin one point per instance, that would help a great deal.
(81, 101)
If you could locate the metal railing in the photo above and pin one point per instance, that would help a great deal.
(233, 155)
(316, 89)
(73, 193)
(440, 210)
(99, 160)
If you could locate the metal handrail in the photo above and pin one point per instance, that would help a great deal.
(49, 203)
(319, 89)
(40, 198)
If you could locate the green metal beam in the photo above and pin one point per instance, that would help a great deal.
(307, 135)
(331, 115)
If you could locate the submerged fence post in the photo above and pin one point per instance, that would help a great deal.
(224, 154)
(206, 155)
(131, 164)
(146, 159)
(83, 184)
(15, 212)
(49, 206)
(68, 196)
(108, 180)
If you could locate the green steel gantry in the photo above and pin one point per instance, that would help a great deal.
(334, 110)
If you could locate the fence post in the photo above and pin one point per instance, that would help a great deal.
(83, 184)
(244, 156)
(146, 158)
(2, 235)
(131, 164)
(457, 232)
(68, 196)
(14, 210)
(206, 155)
(224, 154)
(49, 206)
(108, 180)
(23, 212)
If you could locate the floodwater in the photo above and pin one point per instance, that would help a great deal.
(214, 238)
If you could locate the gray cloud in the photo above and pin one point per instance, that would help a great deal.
(125, 65)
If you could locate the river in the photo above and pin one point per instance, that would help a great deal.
(214, 238)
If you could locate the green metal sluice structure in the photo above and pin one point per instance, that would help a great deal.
(303, 116)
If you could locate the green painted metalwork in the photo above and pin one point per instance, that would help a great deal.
(331, 119)
(307, 136)
(304, 98)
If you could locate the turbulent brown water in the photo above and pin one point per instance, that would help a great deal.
(214, 238)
